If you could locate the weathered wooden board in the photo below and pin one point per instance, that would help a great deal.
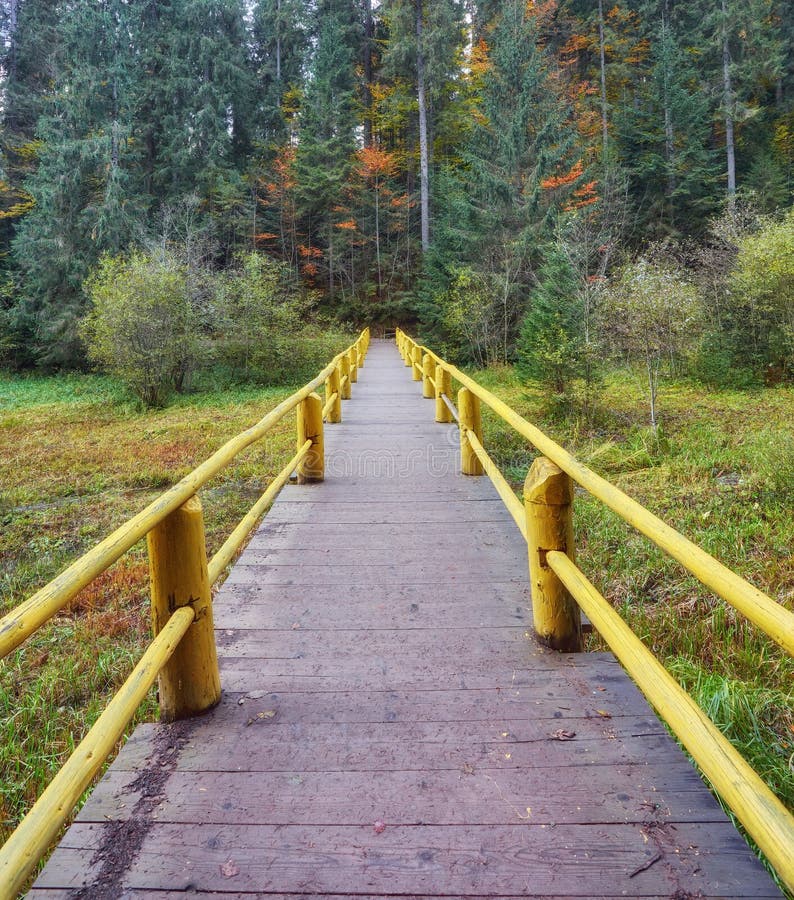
(399, 797)
(379, 667)
(466, 861)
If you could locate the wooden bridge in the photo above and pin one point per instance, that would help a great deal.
(390, 726)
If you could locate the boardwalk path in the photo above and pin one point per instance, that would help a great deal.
(378, 670)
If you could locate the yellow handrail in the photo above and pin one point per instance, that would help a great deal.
(232, 544)
(771, 617)
(21, 622)
(30, 840)
(766, 819)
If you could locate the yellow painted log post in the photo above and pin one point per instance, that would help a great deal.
(344, 378)
(352, 357)
(428, 376)
(548, 502)
(443, 386)
(332, 387)
(416, 360)
(189, 682)
(310, 428)
(361, 351)
(470, 420)
(406, 351)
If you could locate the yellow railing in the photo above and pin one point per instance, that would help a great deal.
(560, 589)
(182, 653)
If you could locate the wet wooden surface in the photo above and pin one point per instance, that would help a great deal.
(388, 727)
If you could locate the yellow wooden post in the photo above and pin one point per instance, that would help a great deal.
(407, 352)
(416, 361)
(548, 502)
(353, 360)
(189, 682)
(344, 377)
(428, 376)
(332, 387)
(443, 386)
(361, 351)
(310, 428)
(469, 412)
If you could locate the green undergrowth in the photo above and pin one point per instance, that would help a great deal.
(78, 457)
(720, 469)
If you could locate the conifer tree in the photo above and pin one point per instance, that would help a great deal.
(84, 204)
(327, 135)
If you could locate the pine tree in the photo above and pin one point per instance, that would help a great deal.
(664, 141)
(280, 55)
(327, 137)
(84, 200)
(423, 51)
(521, 169)
(551, 344)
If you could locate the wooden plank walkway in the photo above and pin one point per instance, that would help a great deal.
(388, 727)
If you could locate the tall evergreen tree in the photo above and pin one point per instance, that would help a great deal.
(327, 136)
(423, 49)
(84, 204)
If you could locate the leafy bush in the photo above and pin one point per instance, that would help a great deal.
(652, 316)
(142, 326)
(762, 287)
(262, 324)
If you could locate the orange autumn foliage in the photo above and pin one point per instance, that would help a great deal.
(555, 181)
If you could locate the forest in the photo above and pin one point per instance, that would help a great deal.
(549, 183)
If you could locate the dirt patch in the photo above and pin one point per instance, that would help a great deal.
(122, 841)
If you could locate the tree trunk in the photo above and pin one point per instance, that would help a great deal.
(424, 167)
(368, 36)
(278, 41)
(13, 19)
(669, 135)
(377, 232)
(602, 54)
(730, 148)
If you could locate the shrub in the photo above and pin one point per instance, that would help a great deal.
(142, 326)
(262, 324)
(651, 316)
(762, 288)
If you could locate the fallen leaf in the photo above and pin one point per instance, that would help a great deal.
(604, 714)
(468, 769)
(229, 869)
(562, 735)
(296, 626)
(379, 827)
(260, 716)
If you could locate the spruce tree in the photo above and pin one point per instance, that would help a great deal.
(324, 158)
(551, 345)
(521, 167)
(84, 201)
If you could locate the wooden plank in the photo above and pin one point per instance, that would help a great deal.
(466, 861)
(378, 512)
(60, 894)
(479, 796)
(376, 747)
(378, 536)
